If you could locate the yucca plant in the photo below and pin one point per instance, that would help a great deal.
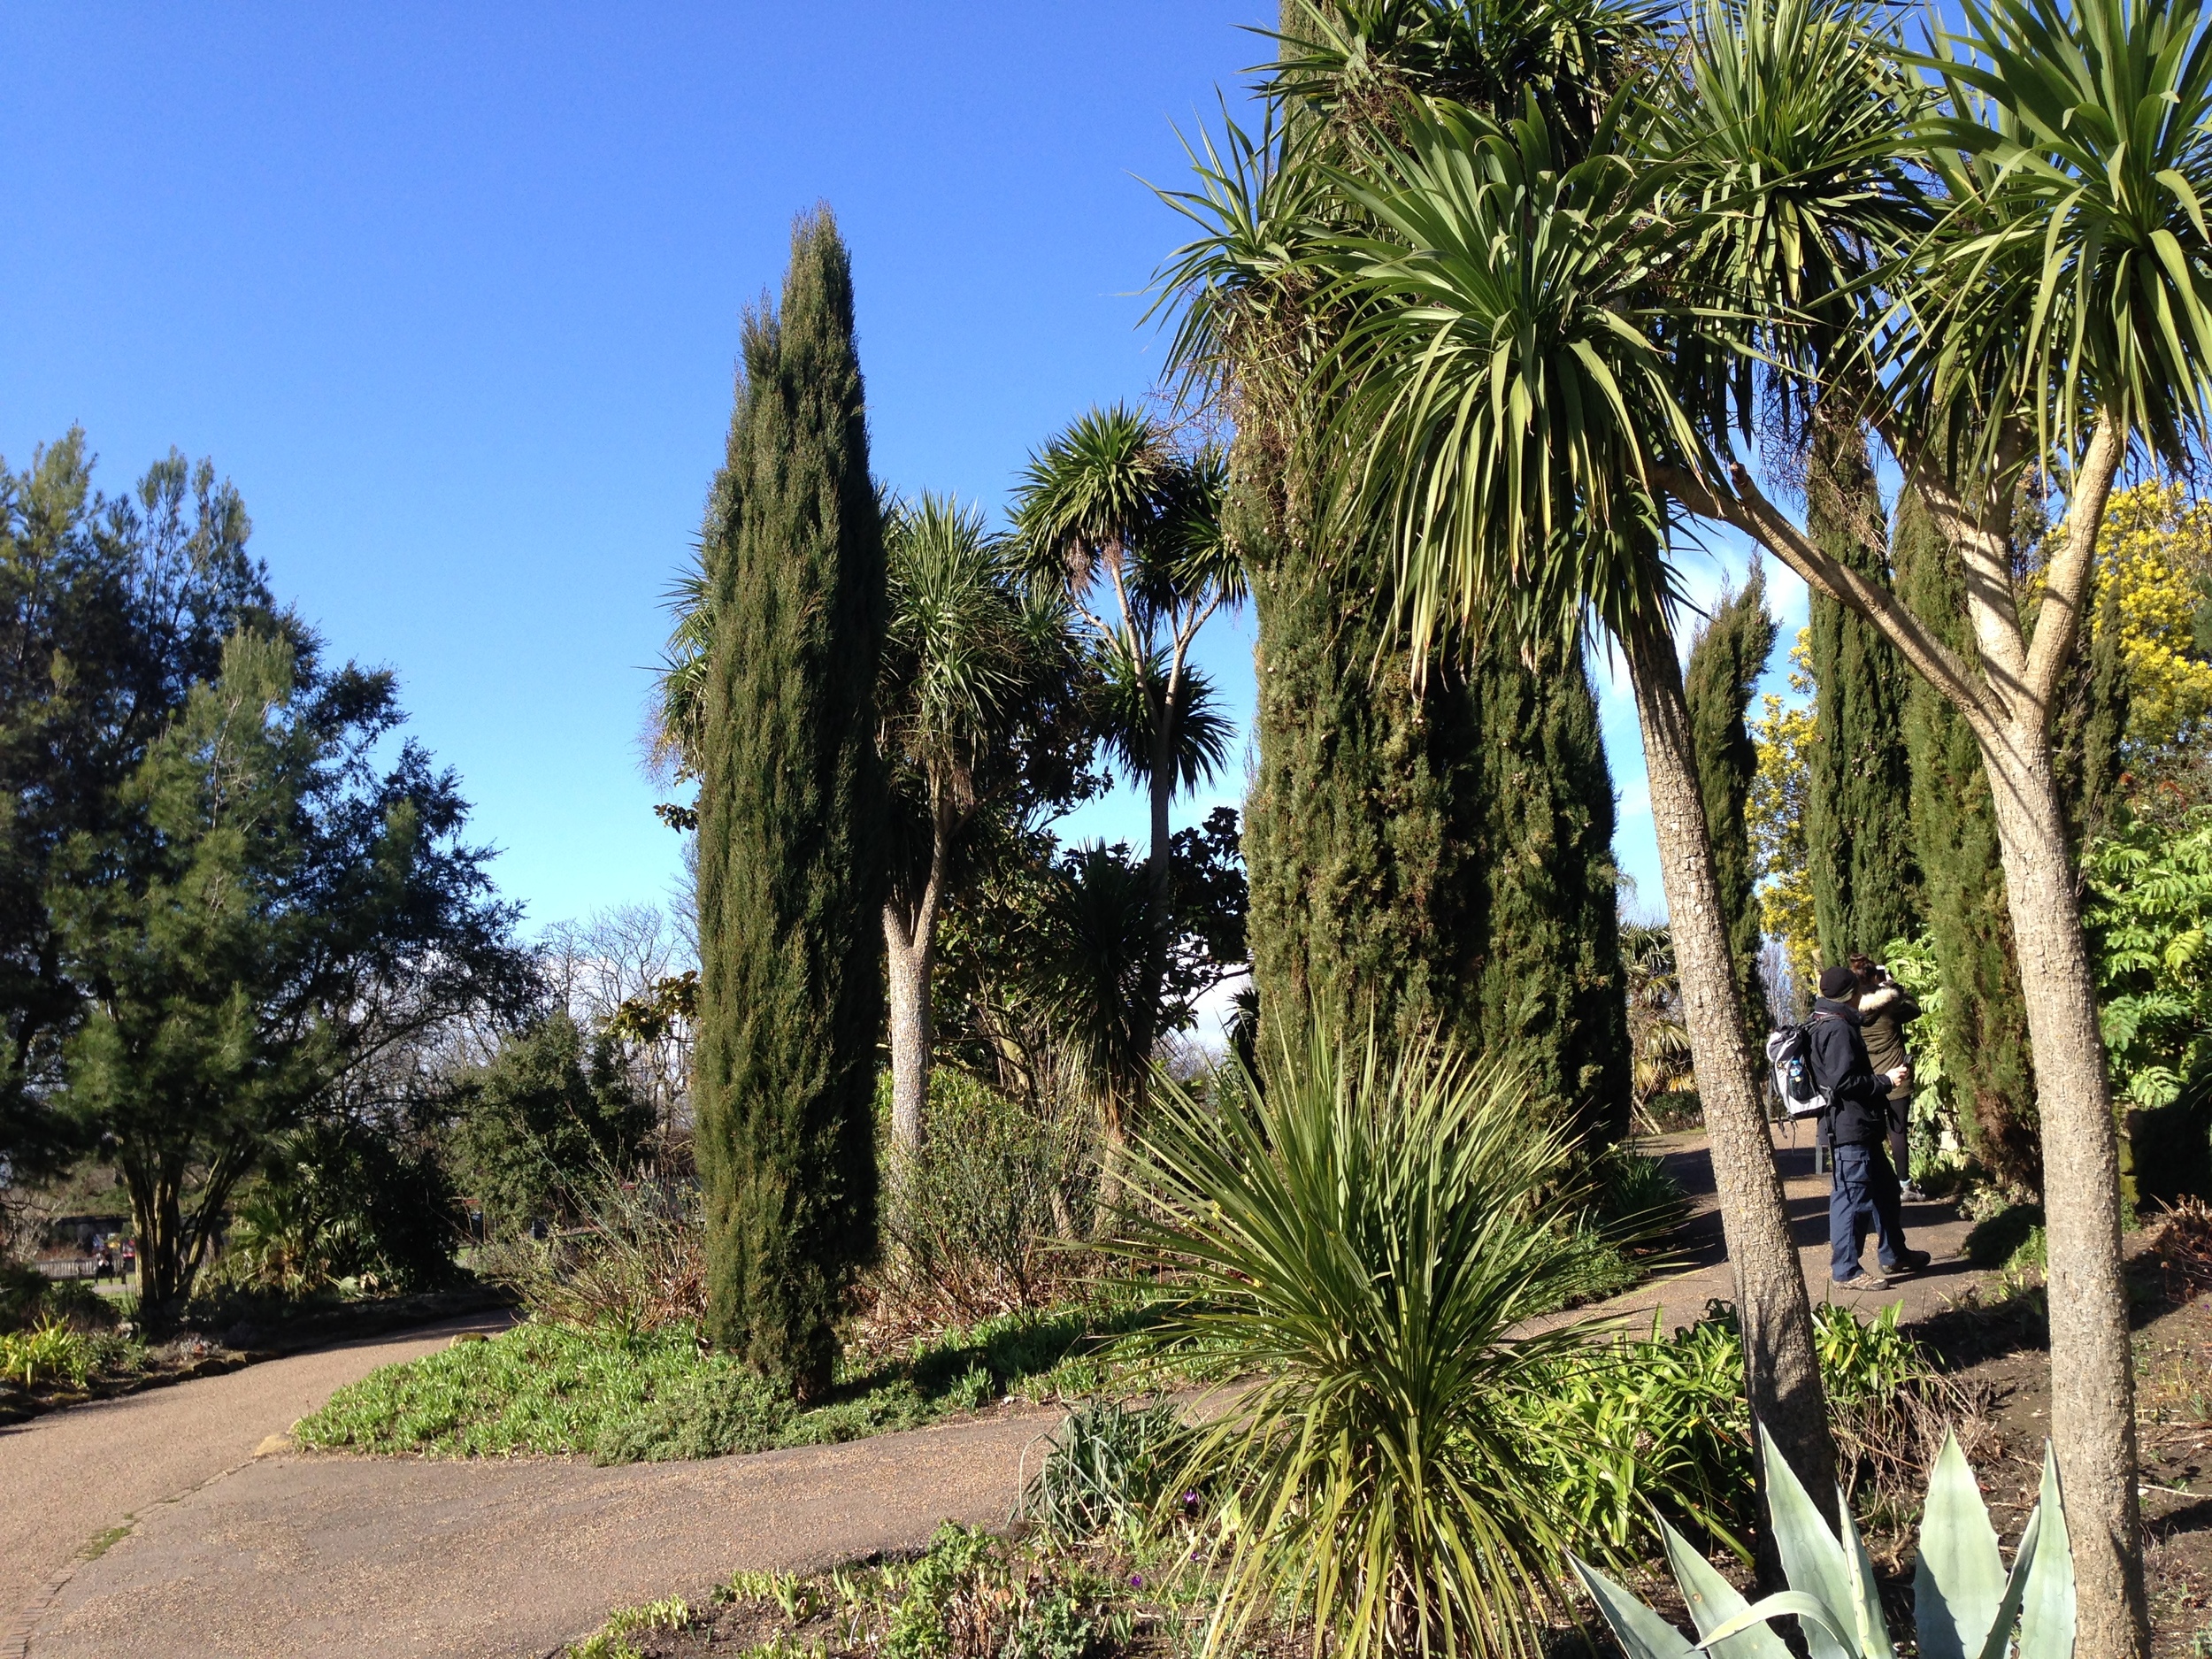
(1361, 1235)
(1965, 1605)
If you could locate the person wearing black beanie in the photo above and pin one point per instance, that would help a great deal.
(1865, 1186)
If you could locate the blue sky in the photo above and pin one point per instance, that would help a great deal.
(452, 295)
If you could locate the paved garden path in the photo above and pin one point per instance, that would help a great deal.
(288, 1554)
(1679, 1297)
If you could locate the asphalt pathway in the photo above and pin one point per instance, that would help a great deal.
(289, 1553)
(69, 1479)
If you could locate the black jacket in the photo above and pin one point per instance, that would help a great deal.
(1858, 1097)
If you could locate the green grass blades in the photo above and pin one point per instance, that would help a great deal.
(1361, 1235)
(1108, 1467)
(1965, 1606)
(50, 1351)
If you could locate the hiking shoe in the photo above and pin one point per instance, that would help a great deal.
(1912, 1194)
(1914, 1260)
(1863, 1280)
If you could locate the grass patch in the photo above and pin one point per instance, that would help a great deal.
(654, 1397)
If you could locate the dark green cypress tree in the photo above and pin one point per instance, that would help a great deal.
(1553, 991)
(1727, 659)
(1439, 861)
(790, 816)
(1986, 1054)
(1858, 805)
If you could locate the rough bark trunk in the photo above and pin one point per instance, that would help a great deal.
(909, 941)
(909, 960)
(2093, 1393)
(1781, 1370)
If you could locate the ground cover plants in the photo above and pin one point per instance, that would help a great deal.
(656, 1395)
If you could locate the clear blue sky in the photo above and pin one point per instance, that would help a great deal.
(452, 295)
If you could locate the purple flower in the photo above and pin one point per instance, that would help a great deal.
(1136, 1581)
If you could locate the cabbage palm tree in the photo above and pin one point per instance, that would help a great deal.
(1510, 385)
(1129, 532)
(969, 646)
(2012, 283)
(2054, 319)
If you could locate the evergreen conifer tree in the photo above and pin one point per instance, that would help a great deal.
(1858, 806)
(791, 809)
(1986, 1053)
(1435, 860)
(1727, 659)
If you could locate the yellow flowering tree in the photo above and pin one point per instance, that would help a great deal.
(1776, 813)
(2156, 543)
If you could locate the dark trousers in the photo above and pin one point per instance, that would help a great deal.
(1864, 1194)
(1900, 1136)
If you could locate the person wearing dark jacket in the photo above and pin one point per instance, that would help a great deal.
(1866, 1185)
(1884, 1010)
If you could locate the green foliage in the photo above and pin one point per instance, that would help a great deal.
(1858, 804)
(1985, 1061)
(1360, 1237)
(610, 1640)
(550, 1110)
(112, 609)
(1441, 858)
(1657, 1428)
(52, 1350)
(1964, 1600)
(1727, 657)
(791, 871)
(2148, 912)
(1108, 1467)
(339, 1200)
(270, 913)
(657, 1396)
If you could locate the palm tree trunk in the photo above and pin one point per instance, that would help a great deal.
(908, 958)
(1781, 1370)
(910, 942)
(2093, 1393)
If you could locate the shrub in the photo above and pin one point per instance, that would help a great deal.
(1636, 1199)
(972, 1218)
(1657, 1430)
(1107, 1467)
(1362, 1235)
(340, 1201)
(635, 1262)
(46, 1352)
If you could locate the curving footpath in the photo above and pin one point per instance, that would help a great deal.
(222, 1552)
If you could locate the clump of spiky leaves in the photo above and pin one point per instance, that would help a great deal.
(1964, 1602)
(1361, 1235)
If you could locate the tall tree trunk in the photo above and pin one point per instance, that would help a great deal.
(909, 941)
(2092, 1392)
(909, 962)
(1781, 1370)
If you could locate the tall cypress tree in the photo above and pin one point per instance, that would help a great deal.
(1858, 806)
(1986, 1053)
(1553, 990)
(1439, 861)
(790, 816)
(1727, 659)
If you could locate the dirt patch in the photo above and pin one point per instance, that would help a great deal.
(1998, 1346)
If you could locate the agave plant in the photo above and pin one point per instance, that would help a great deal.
(1965, 1604)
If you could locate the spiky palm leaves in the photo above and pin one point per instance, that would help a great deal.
(1363, 1235)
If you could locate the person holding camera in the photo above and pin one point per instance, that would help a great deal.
(1884, 1010)
(1866, 1185)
